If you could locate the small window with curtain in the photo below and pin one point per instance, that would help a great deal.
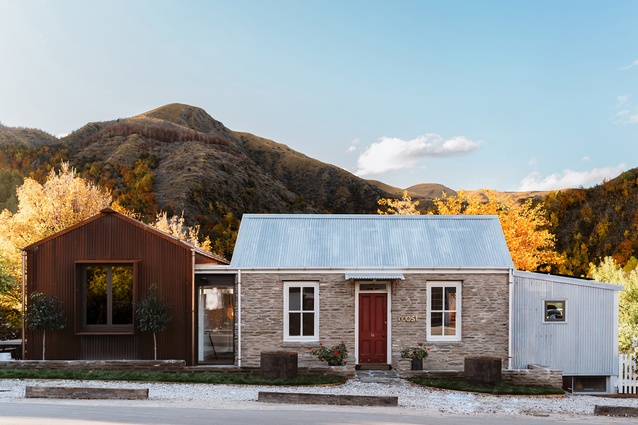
(444, 311)
(301, 311)
(106, 293)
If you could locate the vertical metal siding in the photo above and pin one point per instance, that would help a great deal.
(583, 345)
(51, 269)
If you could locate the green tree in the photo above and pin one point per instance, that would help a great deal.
(152, 315)
(9, 182)
(609, 271)
(10, 314)
(44, 313)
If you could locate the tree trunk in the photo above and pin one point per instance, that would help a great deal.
(154, 346)
(44, 340)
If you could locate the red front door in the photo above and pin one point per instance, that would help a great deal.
(373, 328)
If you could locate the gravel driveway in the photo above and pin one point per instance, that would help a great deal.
(410, 396)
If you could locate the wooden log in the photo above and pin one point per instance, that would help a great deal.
(87, 393)
(331, 399)
(483, 370)
(616, 411)
(278, 364)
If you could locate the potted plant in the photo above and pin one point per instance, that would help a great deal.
(417, 354)
(335, 356)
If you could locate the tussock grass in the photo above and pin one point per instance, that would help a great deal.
(498, 389)
(200, 378)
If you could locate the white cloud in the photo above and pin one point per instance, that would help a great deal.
(391, 153)
(351, 149)
(631, 65)
(569, 178)
(623, 99)
(627, 111)
(586, 158)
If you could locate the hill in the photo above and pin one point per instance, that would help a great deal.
(593, 223)
(503, 197)
(25, 137)
(178, 158)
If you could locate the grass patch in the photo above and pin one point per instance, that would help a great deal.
(499, 389)
(198, 378)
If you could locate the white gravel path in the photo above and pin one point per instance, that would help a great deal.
(411, 397)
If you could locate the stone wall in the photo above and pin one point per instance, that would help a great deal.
(172, 366)
(538, 376)
(263, 322)
(484, 313)
(484, 318)
(121, 365)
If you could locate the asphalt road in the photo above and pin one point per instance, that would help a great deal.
(90, 412)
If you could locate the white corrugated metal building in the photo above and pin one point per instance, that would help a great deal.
(568, 324)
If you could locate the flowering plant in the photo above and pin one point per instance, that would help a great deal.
(335, 356)
(418, 352)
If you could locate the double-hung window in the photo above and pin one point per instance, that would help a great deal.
(444, 311)
(301, 311)
(106, 297)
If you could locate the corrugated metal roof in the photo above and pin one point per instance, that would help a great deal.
(370, 242)
(375, 276)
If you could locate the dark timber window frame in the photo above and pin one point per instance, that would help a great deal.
(554, 310)
(81, 325)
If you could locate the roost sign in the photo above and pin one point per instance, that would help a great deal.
(409, 318)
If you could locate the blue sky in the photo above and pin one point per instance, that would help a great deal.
(508, 95)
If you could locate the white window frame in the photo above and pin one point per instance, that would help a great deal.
(301, 284)
(444, 284)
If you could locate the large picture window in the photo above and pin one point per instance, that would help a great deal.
(301, 311)
(444, 311)
(106, 303)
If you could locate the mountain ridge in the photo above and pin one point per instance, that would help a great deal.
(178, 158)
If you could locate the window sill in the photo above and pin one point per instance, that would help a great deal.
(105, 333)
(299, 344)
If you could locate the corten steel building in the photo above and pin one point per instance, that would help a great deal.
(99, 268)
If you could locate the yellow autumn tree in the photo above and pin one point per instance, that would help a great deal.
(524, 225)
(62, 201)
(43, 209)
(175, 226)
(403, 206)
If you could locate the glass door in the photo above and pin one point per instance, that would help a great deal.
(216, 324)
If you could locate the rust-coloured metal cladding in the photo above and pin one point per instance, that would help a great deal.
(53, 267)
